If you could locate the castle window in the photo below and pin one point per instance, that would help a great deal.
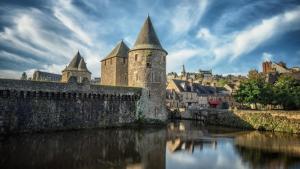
(110, 61)
(135, 57)
(152, 77)
(124, 61)
(148, 64)
(105, 63)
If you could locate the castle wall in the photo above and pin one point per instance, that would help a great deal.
(38, 106)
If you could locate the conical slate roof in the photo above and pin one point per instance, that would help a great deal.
(82, 65)
(147, 37)
(75, 61)
(121, 50)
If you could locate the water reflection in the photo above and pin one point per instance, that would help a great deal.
(213, 147)
(130, 149)
(180, 145)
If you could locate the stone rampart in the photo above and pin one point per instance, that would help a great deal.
(39, 106)
(272, 120)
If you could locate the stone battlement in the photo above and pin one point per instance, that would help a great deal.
(52, 90)
(27, 106)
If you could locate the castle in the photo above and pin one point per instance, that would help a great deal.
(132, 88)
(142, 66)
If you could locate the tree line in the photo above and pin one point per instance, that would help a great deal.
(284, 93)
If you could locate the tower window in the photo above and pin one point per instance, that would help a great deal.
(152, 77)
(105, 63)
(124, 61)
(135, 57)
(148, 64)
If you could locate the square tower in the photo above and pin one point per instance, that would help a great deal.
(114, 66)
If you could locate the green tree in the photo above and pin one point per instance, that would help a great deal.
(286, 90)
(250, 92)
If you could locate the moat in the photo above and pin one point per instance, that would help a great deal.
(179, 145)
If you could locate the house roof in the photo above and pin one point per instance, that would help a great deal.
(185, 86)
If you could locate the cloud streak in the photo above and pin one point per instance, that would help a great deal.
(45, 36)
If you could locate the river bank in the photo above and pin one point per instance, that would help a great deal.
(271, 120)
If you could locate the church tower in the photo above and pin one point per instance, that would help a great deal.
(147, 69)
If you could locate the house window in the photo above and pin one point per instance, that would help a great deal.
(135, 57)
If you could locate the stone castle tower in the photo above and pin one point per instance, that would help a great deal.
(114, 66)
(147, 69)
(77, 68)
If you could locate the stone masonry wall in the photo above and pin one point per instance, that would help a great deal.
(38, 106)
(275, 120)
(147, 69)
(108, 71)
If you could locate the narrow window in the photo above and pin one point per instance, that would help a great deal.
(105, 63)
(110, 61)
(148, 64)
(152, 77)
(136, 57)
(124, 61)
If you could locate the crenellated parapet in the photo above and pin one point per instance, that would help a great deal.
(51, 90)
(67, 95)
(27, 106)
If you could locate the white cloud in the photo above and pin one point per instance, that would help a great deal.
(179, 57)
(8, 74)
(267, 56)
(16, 58)
(63, 11)
(187, 15)
(247, 40)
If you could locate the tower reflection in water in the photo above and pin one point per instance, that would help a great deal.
(180, 145)
(181, 137)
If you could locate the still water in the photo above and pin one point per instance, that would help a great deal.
(180, 145)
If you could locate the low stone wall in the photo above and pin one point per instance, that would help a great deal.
(283, 121)
(39, 106)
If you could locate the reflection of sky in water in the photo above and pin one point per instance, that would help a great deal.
(224, 156)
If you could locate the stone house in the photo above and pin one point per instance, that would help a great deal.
(195, 95)
(45, 76)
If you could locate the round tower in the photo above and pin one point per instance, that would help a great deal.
(147, 69)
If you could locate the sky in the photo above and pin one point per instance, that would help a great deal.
(228, 36)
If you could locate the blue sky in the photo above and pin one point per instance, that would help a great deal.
(228, 36)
